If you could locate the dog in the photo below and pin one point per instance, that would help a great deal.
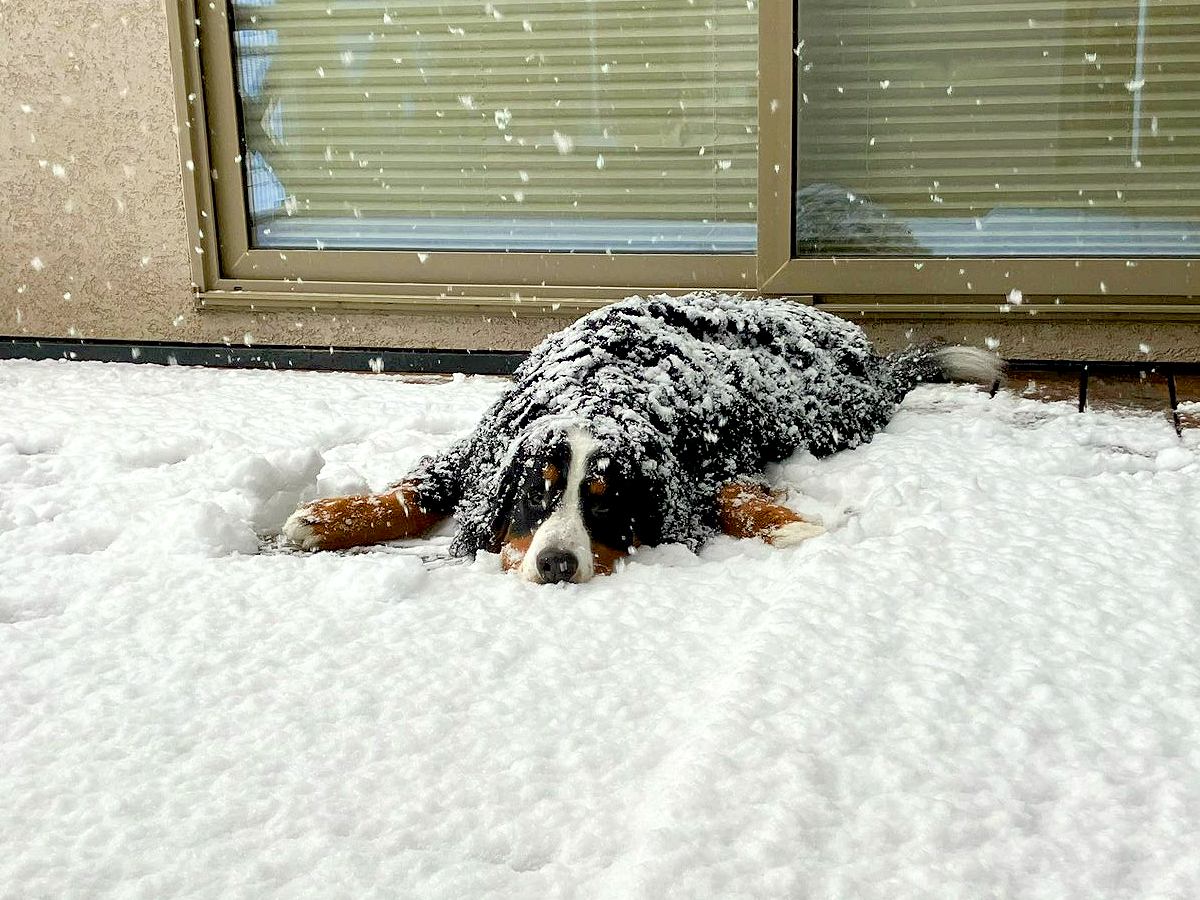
(648, 421)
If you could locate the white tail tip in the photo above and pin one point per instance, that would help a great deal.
(969, 364)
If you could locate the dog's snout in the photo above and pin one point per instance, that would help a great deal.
(556, 565)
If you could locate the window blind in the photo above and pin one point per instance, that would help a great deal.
(1002, 127)
(539, 124)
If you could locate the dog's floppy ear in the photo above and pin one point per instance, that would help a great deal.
(648, 517)
(504, 492)
(646, 502)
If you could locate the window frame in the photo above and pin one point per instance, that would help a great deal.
(917, 287)
(228, 274)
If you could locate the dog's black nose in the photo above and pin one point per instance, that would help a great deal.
(556, 565)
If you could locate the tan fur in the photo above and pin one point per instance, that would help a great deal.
(749, 510)
(341, 522)
(605, 558)
(513, 551)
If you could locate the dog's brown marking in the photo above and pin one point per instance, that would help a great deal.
(341, 522)
(597, 486)
(551, 473)
(605, 558)
(749, 510)
(514, 550)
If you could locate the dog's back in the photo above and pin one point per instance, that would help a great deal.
(730, 382)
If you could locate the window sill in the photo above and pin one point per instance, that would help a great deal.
(514, 300)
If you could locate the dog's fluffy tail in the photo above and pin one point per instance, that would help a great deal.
(918, 365)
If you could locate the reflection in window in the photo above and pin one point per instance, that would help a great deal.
(524, 125)
(1002, 129)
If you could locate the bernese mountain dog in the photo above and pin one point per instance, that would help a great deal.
(648, 421)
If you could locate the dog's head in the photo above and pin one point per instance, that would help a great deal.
(570, 509)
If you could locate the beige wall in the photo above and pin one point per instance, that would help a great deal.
(90, 186)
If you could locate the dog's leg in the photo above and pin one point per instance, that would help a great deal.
(748, 510)
(340, 522)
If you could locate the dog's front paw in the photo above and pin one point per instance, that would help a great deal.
(794, 533)
(339, 523)
(299, 530)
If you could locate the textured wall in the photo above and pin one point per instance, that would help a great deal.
(92, 225)
(89, 168)
(1043, 339)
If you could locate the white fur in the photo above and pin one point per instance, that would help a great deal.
(565, 529)
(794, 533)
(969, 364)
(299, 532)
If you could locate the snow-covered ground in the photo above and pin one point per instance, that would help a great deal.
(983, 681)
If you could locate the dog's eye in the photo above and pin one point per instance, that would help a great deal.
(539, 495)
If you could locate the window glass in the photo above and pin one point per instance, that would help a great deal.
(548, 125)
(998, 128)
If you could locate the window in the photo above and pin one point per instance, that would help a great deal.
(605, 125)
(894, 157)
(463, 154)
(979, 152)
(1008, 129)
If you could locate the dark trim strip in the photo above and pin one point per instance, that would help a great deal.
(1130, 367)
(339, 359)
(377, 359)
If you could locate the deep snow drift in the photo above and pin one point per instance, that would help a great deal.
(985, 679)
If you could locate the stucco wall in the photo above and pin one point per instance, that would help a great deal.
(92, 224)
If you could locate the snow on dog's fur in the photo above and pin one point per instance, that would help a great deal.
(629, 426)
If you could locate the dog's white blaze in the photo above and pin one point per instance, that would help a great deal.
(564, 529)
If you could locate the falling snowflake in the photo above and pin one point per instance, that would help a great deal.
(564, 143)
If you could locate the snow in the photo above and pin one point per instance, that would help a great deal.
(981, 681)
